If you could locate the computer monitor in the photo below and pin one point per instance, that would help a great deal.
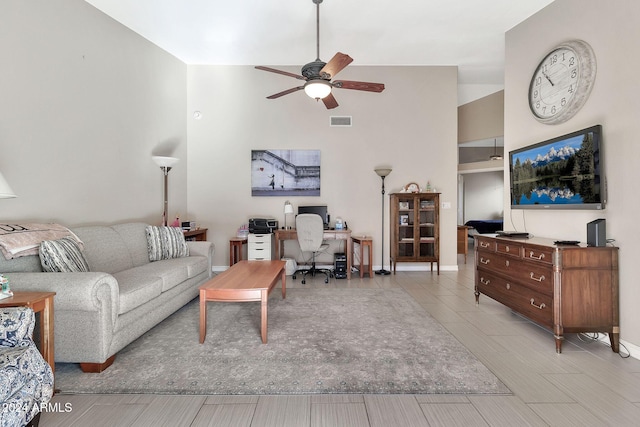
(318, 210)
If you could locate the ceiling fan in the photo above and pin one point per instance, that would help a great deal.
(318, 74)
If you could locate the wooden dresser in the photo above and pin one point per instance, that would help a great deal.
(564, 288)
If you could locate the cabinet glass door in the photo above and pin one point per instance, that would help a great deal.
(405, 225)
(427, 218)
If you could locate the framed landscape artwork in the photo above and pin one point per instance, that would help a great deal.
(285, 172)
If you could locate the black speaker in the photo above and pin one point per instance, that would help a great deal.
(340, 266)
(597, 232)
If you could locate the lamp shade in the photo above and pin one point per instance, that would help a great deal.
(383, 171)
(165, 162)
(5, 191)
(288, 208)
(317, 89)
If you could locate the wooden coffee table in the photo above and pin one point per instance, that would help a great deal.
(242, 282)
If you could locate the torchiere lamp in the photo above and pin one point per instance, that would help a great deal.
(382, 173)
(165, 164)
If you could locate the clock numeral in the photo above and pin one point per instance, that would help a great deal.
(538, 105)
(553, 59)
(570, 89)
(538, 81)
(572, 61)
(553, 109)
(563, 102)
(574, 73)
(535, 94)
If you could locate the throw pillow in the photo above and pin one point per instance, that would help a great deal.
(62, 256)
(166, 243)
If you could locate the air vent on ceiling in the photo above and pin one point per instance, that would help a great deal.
(340, 121)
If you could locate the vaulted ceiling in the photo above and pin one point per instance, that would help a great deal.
(466, 33)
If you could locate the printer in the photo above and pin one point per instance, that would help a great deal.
(262, 225)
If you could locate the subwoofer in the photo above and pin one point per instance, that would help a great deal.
(597, 232)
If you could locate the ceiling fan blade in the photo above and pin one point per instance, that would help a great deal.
(330, 102)
(285, 92)
(335, 65)
(369, 87)
(284, 73)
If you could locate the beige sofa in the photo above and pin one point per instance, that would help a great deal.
(98, 313)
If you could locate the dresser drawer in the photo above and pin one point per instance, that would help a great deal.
(259, 254)
(534, 305)
(259, 238)
(538, 254)
(536, 276)
(513, 249)
(485, 244)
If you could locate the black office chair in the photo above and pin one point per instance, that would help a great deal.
(310, 229)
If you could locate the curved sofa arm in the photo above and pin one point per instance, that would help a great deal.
(74, 291)
(200, 248)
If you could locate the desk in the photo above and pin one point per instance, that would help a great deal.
(39, 302)
(282, 235)
(235, 249)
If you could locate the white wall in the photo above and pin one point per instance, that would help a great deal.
(84, 104)
(411, 126)
(483, 195)
(612, 29)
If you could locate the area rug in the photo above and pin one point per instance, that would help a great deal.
(320, 340)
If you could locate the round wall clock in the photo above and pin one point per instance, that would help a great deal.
(562, 82)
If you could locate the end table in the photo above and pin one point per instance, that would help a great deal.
(39, 302)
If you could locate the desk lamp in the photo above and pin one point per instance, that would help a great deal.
(382, 173)
(165, 164)
(288, 209)
(5, 191)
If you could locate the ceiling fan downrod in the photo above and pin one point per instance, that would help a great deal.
(317, 3)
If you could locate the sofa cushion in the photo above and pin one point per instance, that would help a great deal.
(174, 271)
(104, 249)
(166, 243)
(134, 235)
(137, 287)
(62, 256)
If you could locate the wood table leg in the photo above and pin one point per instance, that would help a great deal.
(264, 296)
(284, 283)
(203, 316)
(46, 322)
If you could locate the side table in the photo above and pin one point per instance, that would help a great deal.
(39, 302)
(235, 249)
(199, 234)
(364, 241)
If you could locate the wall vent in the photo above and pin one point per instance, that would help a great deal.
(340, 121)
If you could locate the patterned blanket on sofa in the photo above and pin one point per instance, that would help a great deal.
(18, 240)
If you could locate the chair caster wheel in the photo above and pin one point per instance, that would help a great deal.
(303, 282)
(293, 277)
(326, 280)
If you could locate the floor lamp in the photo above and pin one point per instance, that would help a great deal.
(382, 173)
(165, 164)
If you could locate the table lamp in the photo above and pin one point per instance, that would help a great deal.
(288, 209)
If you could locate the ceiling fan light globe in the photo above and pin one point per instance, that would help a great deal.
(317, 89)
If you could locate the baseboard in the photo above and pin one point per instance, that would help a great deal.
(405, 266)
(625, 346)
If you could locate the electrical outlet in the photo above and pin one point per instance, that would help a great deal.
(446, 205)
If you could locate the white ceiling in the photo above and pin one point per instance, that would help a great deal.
(466, 33)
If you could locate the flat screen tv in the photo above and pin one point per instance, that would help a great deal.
(561, 173)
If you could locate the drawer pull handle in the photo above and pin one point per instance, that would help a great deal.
(533, 303)
(484, 261)
(484, 245)
(537, 279)
(508, 285)
(484, 281)
(539, 257)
